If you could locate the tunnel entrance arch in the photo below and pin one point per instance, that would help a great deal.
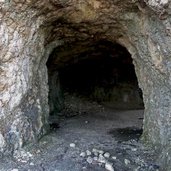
(100, 71)
(27, 36)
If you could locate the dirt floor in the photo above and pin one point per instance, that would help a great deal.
(96, 139)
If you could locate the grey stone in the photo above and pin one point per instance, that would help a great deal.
(95, 158)
(114, 157)
(109, 167)
(82, 154)
(72, 145)
(28, 36)
(88, 152)
(31, 164)
(107, 155)
(89, 160)
(101, 159)
(126, 161)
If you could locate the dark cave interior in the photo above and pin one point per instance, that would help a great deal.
(101, 72)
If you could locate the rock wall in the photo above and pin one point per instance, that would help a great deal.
(22, 93)
(29, 30)
(151, 53)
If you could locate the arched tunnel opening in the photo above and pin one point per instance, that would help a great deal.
(95, 80)
(64, 61)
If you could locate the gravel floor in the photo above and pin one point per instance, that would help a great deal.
(94, 141)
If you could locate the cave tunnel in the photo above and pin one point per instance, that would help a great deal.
(91, 76)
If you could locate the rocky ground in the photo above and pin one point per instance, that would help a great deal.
(97, 139)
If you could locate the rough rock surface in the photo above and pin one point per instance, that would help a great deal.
(30, 30)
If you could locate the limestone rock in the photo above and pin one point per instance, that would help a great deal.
(30, 32)
(95, 158)
(101, 151)
(31, 164)
(89, 160)
(72, 145)
(101, 159)
(88, 152)
(126, 161)
(114, 157)
(133, 149)
(94, 150)
(82, 154)
(107, 155)
(109, 167)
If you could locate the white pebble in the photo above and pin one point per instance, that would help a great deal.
(97, 151)
(95, 158)
(82, 154)
(114, 157)
(29, 154)
(101, 159)
(24, 161)
(88, 152)
(72, 145)
(133, 149)
(107, 155)
(127, 161)
(109, 167)
(38, 151)
(94, 150)
(31, 164)
(89, 160)
(101, 151)
(14, 170)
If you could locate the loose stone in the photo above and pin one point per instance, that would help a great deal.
(89, 160)
(23, 161)
(72, 145)
(38, 151)
(114, 157)
(31, 164)
(29, 154)
(101, 151)
(82, 154)
(95, 158)
(94, 150)
(88, 152)
(133, 149)
(101, 159)
(107, 155)
(95, 153)
(137, 169)
(127, 161)
(109, 167)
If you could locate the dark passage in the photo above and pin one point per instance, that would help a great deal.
(99, 72)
